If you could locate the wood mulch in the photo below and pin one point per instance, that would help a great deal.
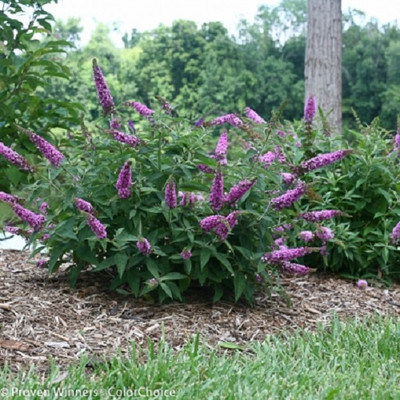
(42, 318)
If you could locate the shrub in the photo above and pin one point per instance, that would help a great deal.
(366, 188)
(166, 208)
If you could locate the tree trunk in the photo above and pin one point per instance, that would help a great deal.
(323, 64)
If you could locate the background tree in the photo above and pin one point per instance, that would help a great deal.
(323, 64)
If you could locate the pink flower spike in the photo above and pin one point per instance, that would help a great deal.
(324, 159)
(35, 221)
(47, 149)
(8, 198)
(395, 236)
(186, 254)
(14, 158)
(251, 114)
(222, 147)
(143, 246)
(103, 92)
(84, 206)
(217, 191)
(124, 181)
(97, 227)
(288, 198)
(310, 109)
(293, 268)
(170, 194)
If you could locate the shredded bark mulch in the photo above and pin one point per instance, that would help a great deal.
(43, 318)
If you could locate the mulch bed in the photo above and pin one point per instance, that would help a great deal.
(42, 317)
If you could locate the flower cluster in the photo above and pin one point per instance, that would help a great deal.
(231, 119)
(189, 198)
(170, 194)
(7, 198)
(35, 221)
(324, 159)
(130, 140)
(323, 233)
(14, 158)
(44, 207)
(318, 216)
(97, 227)
(293, 268)
(219, 224)
(310, 109)
(84, 206)
(289, 197)
(47, 149)
(143, 110)
(222, 148)
(362, 284)
(395, 236)
(186, 254)
(206, 169)
(217, 191)
(238, 191)
(278, 256)
(268, 158)
(124, 181)
(288, 178)
(143, 246)
(103, 92)
(251, 114)
(306, 236)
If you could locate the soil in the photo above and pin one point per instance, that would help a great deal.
(43, 318)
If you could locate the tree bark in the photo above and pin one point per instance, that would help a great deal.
(323, 63)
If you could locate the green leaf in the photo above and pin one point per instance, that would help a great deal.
(239, 284)
(172, 276)
(166, 289)
(152, 267)
(120, 260)
(205, 254)
(223, 259)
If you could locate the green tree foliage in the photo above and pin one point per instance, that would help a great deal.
(28, 57)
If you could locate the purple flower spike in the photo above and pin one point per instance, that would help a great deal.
(324, 233)
(186, 254)
(47, 149)
(42, 263)
(43, 208)
(279, 256)
(211, 222)
(222, 147)
(324, 159)
(170, 194)
(310, 109)
(239, 190)
(395, 236)
(143, 110)
(12, 229)
(97, 227)
(7, 198)
(318, 216)
(232, 218)
(143, 246)
(206, 169)
(124, 181)
(122, 137)
(267, 158)
(35, 221)
(84, 206)
(231, 119)
(217, 191)
(288, 178)
(14, 158)
(288, 198)
(103, 92)
(293, 268)
(306, 236)
(251, 114)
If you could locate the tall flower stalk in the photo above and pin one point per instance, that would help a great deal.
(103, 92)
(124, 181)
(217, 191)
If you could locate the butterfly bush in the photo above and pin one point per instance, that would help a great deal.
(310, 109)
(157, 240)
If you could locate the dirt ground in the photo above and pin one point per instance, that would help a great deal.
(41, 317)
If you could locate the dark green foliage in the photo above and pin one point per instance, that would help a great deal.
(26, 62)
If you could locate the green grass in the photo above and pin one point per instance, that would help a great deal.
(356, 360)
